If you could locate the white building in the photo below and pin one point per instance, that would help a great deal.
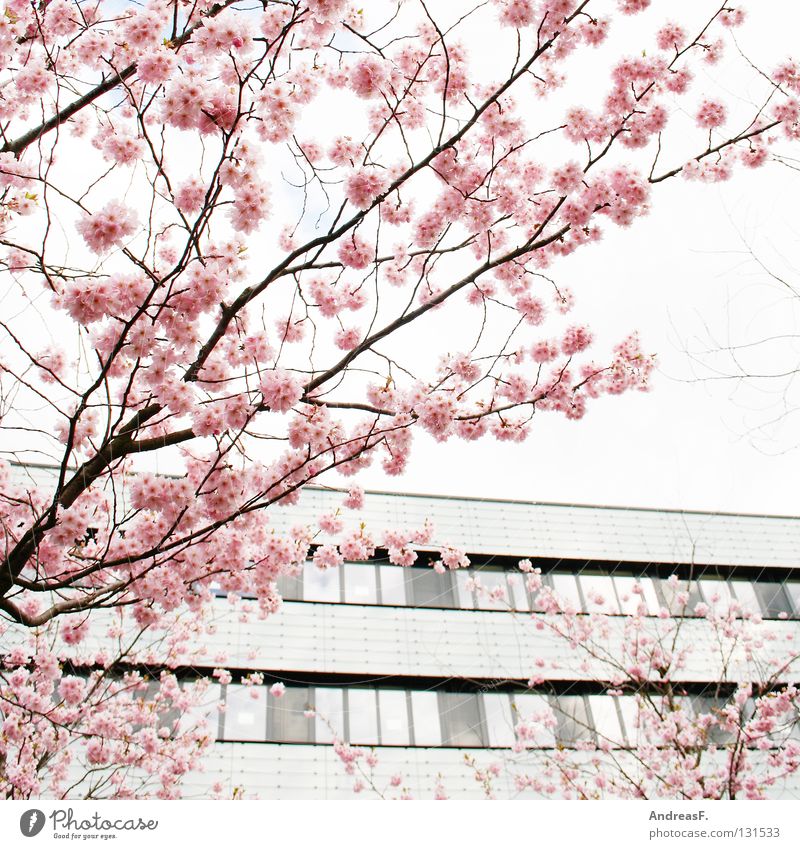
(419, 666)
(431, 673)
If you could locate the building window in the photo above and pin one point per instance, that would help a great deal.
(746, 597)
(430, 588)
(466, 597)
(328, 714)
(629, 712)
(793, 591)
(598, 593)
(712, 705)
(288, 719)
(393, 585)
(671, 590)
(362, 717)
(290, 587)
(205, 712)
(566, 588)
(773, 598)
(360, 584)
(393, 709)
(630, 600)
(491, 590)
(716, 594)
(605, 720)
(461, 719)
(536, 710)
(245, 716)
(320, 584)
(518, 592)
(572, 720)
(499, 719)
(425, 715)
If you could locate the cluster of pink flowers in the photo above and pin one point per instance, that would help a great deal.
(107, 228)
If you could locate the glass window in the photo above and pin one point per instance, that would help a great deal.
(206, 711)
(598, 593)
(245, 713)
(491, 590)
(320, 584)
(536, 709)
(519, 595)
(466, 600)
(288, 722)
(362, 716)
(746, 596)
(393, 585)
(425, 714)
(290, 586)
(572, 720)
(430, 588)
(566, 588)
(499, 719)
(716, 593)
(328, 714)
(605, 720)
(461, 719)
(393, 710)
(360, 586)
(630, 600)
(629, 708)
(773, 598)
(793, 590)
(671, 592)
(712, 705)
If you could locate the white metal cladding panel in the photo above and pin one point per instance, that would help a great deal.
(569, 531)
(376, 641)
(273, 771)
(551, 530)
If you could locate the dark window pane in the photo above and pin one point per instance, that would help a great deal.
(287, 720)
(461, 719)
(290, 587)
(793, 590)
(573, 720)
(430, 588)
(773, 599)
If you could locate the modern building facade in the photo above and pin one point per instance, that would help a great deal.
(431, 671)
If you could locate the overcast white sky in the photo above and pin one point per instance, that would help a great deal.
(678, 277)
(683, 278)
